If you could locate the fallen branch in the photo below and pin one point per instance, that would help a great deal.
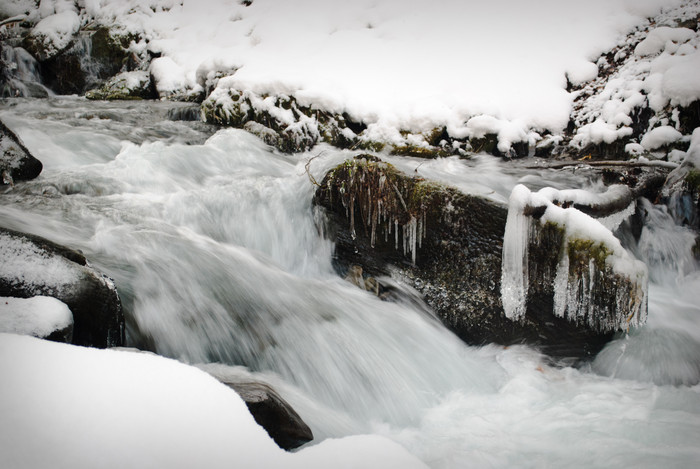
(615, 163)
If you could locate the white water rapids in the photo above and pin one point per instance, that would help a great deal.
(213, 245)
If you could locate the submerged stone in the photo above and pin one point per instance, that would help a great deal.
(449, 246)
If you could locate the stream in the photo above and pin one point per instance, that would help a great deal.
(213, 244)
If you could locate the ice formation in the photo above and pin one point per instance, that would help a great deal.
(578, 287)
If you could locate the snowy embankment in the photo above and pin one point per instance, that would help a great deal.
(68, 406)
(508, 72)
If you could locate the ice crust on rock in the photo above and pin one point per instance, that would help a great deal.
(572, 291)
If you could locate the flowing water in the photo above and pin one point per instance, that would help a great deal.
(214, 247)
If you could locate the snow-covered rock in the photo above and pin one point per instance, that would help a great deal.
(125, 85)
(33, 266)
(644, 94)
(53, 34)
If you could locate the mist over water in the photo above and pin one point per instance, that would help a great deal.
(214, 247)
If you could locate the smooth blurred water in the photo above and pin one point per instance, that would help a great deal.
(213, 243)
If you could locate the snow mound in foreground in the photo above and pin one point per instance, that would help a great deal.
(68, 406)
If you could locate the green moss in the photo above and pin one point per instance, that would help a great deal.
(581, 251)
(370, 145)
(693, 180)
(420, 152)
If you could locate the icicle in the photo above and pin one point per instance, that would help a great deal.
(352, 216)
(514, 277)
(412, 233)
(396, 234)
(561, 284)
(420, 232)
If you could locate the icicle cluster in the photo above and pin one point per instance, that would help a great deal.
(597, 282)
(380, 205)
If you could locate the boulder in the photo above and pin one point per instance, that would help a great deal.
(16, 163)
(450, 247)
(34, 266)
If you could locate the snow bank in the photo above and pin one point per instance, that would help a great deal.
(392, 64)
(67, 406)
(38, 316)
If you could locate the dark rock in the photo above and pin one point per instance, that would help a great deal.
(274, 414)
(449, 246)
(91, 58)
(36, 266)
(63, 73)
(268, 408)
(16, 163)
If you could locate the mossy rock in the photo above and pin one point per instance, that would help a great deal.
(448, 245)
(429, 152)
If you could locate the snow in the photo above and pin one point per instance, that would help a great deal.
(10, 8)
(658, 69)
(38, 316)
(659, 137)
(25, 264)
(693, 155)
(168, 75)
(392, 64)
(663, 39)
(56, 32)
(116, 409)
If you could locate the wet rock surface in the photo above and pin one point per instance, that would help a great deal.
(16, 163)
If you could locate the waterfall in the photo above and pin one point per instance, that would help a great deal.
(19, 74)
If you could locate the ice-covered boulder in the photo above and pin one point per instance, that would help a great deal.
(449, 246)
(16, 163)
(33, 266)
